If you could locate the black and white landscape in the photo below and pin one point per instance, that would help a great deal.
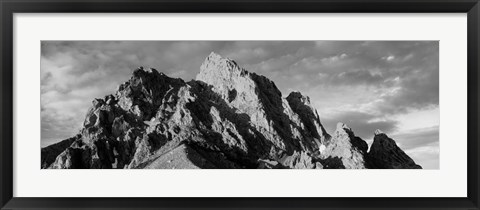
(239, 105)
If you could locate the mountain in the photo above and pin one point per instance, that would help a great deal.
(384, 153)
(226, 118)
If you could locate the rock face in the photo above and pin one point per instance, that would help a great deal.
(50, 153)
(226, 118)
(384, 153)
(347, 147)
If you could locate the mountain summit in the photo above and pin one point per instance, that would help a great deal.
(226, 118)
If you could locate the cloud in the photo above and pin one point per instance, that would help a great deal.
(410, 68)
(427, 156)
(417, 137)
(334, 58)
(422, 145)
(362, 124)
(388, 58)
(358, 77)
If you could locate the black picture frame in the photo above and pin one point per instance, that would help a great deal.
(10, 7)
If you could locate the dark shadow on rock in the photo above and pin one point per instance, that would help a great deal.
(217, 158)
(256, 143)
(385, 154)
(308, 117)
(271, 99)
(50, 153)
(332, 163)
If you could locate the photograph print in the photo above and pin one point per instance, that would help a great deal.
(240, 105)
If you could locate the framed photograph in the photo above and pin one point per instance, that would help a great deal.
(239, 105)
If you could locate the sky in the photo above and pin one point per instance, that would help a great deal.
(388, 85)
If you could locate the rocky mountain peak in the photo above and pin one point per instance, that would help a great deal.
(343, 128)
(347, 147)
(224, 69)
(384, 153)
(213, 57)
(142, 69)
(259, 98)
(378, 132)
(226, 118)
(227, 78)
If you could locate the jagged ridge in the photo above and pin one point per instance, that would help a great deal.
(226, 118)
